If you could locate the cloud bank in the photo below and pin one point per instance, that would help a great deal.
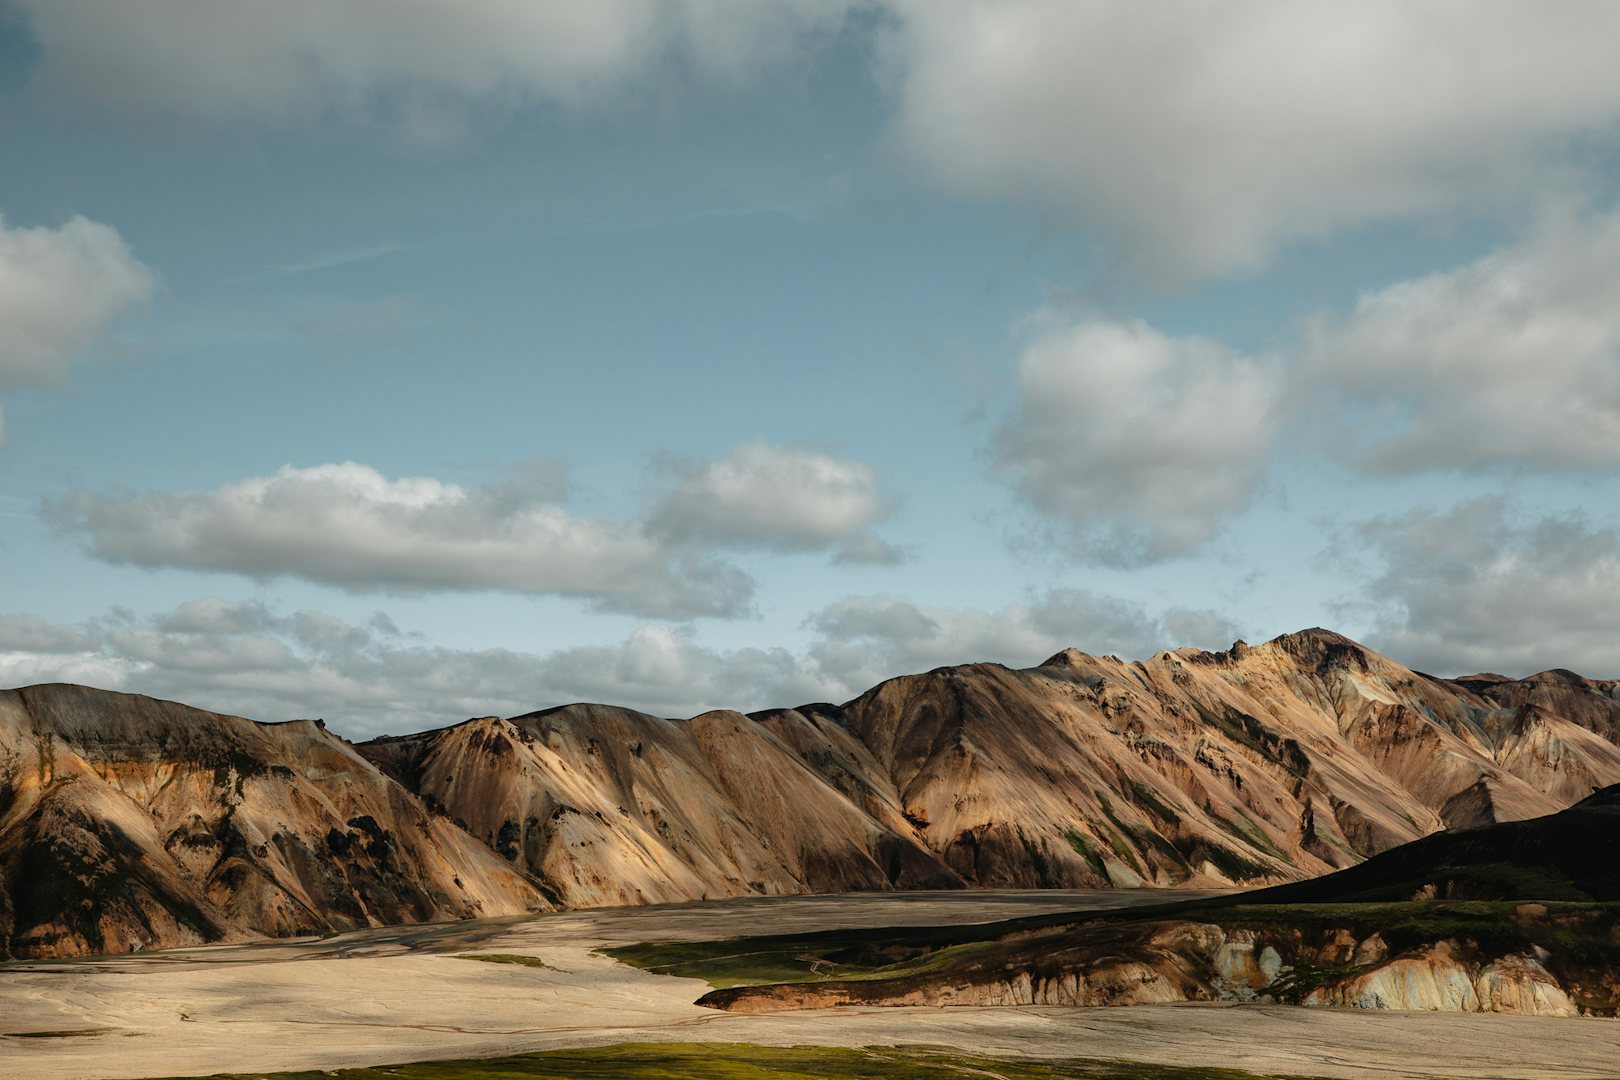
(776, 499)
(419, 69)
(369, 678)
(1509, 362)
(1202, 138)
(1134, 446)
(349, 526)
(1478, 587)
(1199, 139)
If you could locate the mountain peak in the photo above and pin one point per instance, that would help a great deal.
(1323, 648)
(1068, 658)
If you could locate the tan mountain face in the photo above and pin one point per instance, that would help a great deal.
(1258, 764)
(125, 820)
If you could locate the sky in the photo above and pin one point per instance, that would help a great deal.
(399, 361)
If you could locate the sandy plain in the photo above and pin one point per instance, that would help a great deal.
(403, 994)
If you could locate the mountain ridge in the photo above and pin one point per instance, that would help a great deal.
(1254, 765)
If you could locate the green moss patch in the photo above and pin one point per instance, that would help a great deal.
(508, 958)
(839, 955)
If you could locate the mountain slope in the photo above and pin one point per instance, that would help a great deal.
(1573, 855)
(1254, 765)
(127, 822)
(609, 806)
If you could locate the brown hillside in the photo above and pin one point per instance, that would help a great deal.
(1252, 765)
(126, 821)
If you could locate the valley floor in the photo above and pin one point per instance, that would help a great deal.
(408, 994)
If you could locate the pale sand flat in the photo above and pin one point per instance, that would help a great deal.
(401, 994)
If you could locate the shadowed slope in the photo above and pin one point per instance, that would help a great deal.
(1571, 855)
(1441, 923)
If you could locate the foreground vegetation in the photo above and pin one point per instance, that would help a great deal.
(1572, 932)
(834, 954)
(745, 1061)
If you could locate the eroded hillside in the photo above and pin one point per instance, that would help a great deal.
(128, 823)
(1258, 764)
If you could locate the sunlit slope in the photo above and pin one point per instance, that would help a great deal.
(1258, 764)
(128, 822)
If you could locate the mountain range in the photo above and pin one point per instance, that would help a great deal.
(127, 822)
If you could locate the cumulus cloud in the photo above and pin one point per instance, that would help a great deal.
(59, 288)
(1133, 443)
(776, 499)
(1135, 446)
(350, 526)
(1509, 361)
(34, 634)
(1478, 588)
(1204, 137)
(368, 678)
(420, 68)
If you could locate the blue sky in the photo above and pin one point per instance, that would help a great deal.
(400, 362)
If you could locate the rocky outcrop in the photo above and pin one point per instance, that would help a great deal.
(1178, 962)
(1436, 981)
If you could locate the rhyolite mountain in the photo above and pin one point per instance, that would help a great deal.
(1269, 763)
(127, 822)
(1254, 765)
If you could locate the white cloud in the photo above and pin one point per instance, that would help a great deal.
(1477, 587)
(34, 634)
(366, 679)
(668, 667)
(1199, 138)
(1510, 361)
(1135, 444)
(242, 658)
(348, 525)
(421, 68)
(1203, 137)
(59, 288)
(776, 498)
